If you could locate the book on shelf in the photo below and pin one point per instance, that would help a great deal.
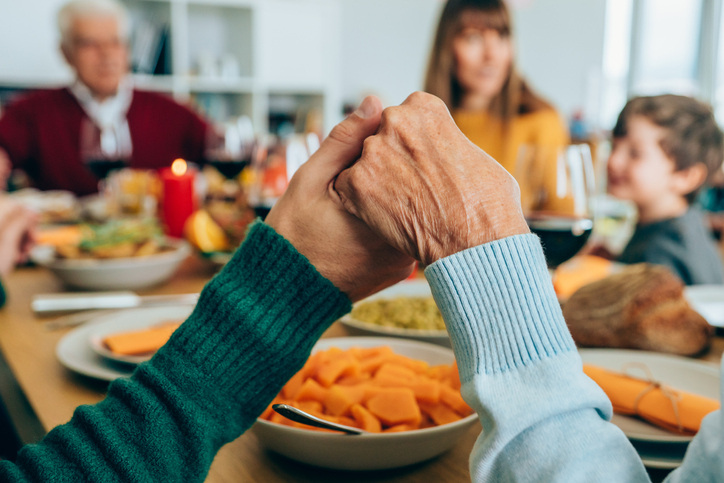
(149, 48)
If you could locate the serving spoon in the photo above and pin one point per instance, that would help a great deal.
(299, 416)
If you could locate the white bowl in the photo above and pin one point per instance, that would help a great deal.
(130, 273)
(407, 288)
(372, 451)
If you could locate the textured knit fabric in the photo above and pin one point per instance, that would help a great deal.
(253, 328)
(543, 419)
(683, 244)
(41, 134)
(544, 127)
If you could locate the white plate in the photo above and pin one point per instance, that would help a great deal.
(408, 288)
(125, 322)
(708, 300)
(75, 353)
(130, 273)
(678, 372)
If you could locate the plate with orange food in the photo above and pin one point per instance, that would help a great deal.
(85, 351)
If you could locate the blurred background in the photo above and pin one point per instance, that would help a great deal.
(304, 60)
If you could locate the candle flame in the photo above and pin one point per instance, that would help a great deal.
(178, 167)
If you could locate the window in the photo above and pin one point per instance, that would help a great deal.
(663, 46)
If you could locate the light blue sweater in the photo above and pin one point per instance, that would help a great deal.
(543, 418)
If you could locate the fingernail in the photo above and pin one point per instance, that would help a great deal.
(366, 109)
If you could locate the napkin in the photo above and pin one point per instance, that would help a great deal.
(659, 404)
(141, 341)
(580, 271)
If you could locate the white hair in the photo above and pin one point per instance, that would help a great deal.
(91, 8)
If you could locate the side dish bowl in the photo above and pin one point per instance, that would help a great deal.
(130, 273)
(370, 451)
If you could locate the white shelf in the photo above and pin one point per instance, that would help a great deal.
(273, 49)
(159, 83)
(240, 85)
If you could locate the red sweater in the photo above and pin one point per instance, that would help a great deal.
(41, 134)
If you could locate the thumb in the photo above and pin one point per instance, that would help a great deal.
(344, 144)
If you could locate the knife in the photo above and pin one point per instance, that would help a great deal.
(46, 304)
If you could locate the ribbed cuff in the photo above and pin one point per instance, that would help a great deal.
(499, 305)
(257, 320)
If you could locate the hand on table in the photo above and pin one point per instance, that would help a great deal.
(17, 225)
(425, 188)
(311, 216)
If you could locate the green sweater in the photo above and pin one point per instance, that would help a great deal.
(253, 328)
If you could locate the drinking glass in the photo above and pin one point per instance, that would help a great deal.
(104, 151)
(557, 188)
(230, 147)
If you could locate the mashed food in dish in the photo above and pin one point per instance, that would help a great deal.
(418, 313)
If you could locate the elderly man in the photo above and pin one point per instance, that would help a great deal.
(52, 135)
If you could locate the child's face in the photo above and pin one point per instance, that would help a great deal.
(638, 169)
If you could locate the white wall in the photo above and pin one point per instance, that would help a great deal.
(559, 46)
(384, 47)
(560, 50)
(29, 42)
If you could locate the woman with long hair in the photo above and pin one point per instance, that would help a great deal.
(472, 69)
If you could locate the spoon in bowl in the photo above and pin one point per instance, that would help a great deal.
(299, 416)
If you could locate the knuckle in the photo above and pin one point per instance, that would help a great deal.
(343, 132)
(392, 116)
(419, 97)
(372, 147)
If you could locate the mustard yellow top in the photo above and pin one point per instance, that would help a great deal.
(541, 128)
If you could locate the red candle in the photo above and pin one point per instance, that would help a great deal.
(179, 197)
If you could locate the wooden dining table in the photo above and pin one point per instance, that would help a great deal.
(40, 393)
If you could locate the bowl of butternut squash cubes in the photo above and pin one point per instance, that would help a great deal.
(404, 394)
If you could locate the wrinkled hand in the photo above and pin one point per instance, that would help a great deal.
(426, 189)
(17, 225)
(311, 216)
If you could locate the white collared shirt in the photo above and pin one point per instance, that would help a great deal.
(109, 115)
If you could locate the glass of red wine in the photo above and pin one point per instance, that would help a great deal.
(104, 150)
(230, 147)
(557, 189)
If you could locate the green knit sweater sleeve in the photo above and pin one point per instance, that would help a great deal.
(252, 329)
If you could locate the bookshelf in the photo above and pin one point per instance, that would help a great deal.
(226, 57)
(241, 57)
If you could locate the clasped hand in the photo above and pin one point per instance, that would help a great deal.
(390, 187)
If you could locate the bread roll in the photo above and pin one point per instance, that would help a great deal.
(641, 307)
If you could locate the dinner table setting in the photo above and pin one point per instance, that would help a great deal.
(111, 278)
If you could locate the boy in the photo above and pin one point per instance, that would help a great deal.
(664, 149)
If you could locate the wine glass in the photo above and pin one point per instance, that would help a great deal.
(557, 187)
(104, 150)
(230, 147)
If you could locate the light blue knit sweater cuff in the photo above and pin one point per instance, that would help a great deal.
(499, 306)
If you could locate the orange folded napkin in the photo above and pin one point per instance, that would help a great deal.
(580, 271)
(141, 341)
(664, 406)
